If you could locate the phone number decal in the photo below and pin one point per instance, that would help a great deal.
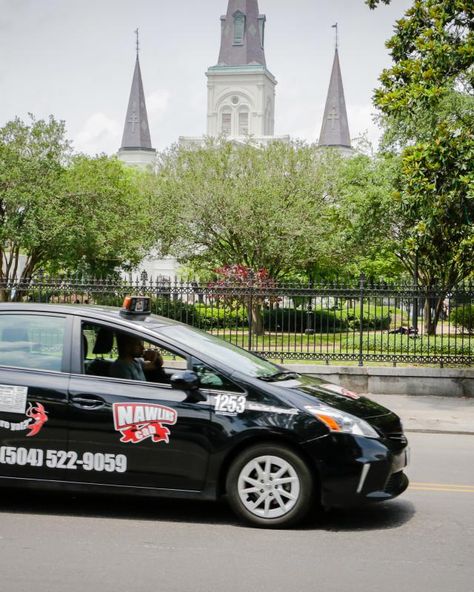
(61, 459)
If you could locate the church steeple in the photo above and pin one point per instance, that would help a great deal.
(335, 128)
(136, 140)
(241, 90)
(242, 35)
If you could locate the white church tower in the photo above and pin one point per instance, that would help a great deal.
(241, 90)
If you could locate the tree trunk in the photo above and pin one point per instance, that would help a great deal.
(432, 312)
(257, 319)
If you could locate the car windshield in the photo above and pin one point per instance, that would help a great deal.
(221, 351)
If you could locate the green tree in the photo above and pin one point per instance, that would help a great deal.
(367, 224)
(109, 214)
(33, 157)
(264, 208)
(64, 212)
(426, 101)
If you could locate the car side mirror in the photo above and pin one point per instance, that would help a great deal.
(185, 380)
(188, 381)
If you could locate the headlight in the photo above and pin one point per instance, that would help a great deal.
(338, 421)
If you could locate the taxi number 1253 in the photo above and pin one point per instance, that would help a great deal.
(62, 459)
(229, 404)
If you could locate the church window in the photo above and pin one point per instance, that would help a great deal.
(226, 122)
(243, 123)
(239, 28)
(261, 27)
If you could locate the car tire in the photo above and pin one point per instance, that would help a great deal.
(270, 486)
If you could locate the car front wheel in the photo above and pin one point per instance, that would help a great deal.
(270, 486)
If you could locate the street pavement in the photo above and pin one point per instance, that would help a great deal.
(421, 542)
(431, 414)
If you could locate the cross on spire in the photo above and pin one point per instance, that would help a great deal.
(333, 117)
(335, 26)
(133, 120)
(137, 41)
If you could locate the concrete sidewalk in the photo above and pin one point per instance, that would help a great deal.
(431, 414)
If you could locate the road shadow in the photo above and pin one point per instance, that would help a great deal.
(381, 516)
(115, 507)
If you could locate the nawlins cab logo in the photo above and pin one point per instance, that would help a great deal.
(137, 422)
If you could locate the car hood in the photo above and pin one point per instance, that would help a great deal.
(308, 390)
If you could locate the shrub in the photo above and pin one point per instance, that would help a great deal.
(374, 317)
(220, 317)
(403, 344)
(290, 320)
(175, 309)
(199, 315)
(463, 316)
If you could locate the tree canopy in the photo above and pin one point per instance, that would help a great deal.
(108, 213)
(431, 80)
(264, 208)
(426, 101)
(65, 212)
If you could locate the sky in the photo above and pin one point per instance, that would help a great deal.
(74, 59)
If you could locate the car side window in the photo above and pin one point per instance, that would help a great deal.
(32, 341)
(112, 353)
(211, 379)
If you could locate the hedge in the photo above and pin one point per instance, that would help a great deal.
(463, 316)
(403, 344)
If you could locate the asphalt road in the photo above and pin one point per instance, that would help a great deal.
(424, 541)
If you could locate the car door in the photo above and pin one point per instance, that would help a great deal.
(129, 432)
(34, 364)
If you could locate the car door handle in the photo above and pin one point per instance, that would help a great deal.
(85, 402)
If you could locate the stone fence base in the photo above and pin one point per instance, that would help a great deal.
(450, 382)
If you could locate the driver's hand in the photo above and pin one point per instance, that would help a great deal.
(154, 357)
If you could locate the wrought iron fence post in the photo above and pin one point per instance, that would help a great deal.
(361, 320)
(310, 315)
(250, 312)
(414, 322)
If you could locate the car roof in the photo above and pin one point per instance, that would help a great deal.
(100, 313)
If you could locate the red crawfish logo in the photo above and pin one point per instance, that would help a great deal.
(39, 417)
(137, 422)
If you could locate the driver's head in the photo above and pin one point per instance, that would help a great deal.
(129, 346)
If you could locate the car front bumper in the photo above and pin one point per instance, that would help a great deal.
(353, 470)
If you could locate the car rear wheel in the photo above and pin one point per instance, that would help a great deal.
(270, 486)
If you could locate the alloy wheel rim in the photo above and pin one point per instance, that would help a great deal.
(268, 486)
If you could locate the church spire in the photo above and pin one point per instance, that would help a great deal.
(335, 128)
(136, 133)
(242, 37)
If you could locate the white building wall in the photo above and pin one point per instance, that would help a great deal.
(138, 158)
(245, 89)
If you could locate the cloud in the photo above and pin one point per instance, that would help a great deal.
(157, 104)
(361, 122)
(99, 134)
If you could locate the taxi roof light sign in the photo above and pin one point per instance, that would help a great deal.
(136, 305)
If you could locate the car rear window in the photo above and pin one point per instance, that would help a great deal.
(32, 341)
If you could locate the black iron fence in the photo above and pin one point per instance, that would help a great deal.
(360, 322)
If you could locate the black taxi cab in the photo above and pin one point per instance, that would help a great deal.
(107, 400)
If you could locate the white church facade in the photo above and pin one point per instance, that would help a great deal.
(240, 106)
